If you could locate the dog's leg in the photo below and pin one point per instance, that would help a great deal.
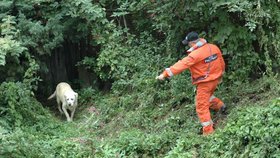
(66, 113)
(59, 105)
(72, 114)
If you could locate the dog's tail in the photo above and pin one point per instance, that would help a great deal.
(52, 96)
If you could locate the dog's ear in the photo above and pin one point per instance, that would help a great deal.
(76, 95)
(65, 97)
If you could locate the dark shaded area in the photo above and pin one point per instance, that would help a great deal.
(61, 66)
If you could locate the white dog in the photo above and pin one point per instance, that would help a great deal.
(65, 98)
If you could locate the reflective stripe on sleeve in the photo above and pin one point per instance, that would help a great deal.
(206, 123)
(169, 72)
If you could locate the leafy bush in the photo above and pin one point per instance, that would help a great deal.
(18, 105)
(87, 95)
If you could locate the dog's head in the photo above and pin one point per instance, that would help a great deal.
(71, 98)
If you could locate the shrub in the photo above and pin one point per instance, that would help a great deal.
(18, 105)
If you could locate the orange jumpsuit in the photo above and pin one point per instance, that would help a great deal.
(207, 66)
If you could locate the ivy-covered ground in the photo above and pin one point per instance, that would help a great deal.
(104, 127)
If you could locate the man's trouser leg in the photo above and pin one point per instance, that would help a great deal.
(204, 92)
(215, 103)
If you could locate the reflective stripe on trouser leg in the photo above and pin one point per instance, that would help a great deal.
(204, 124)
(169, 72)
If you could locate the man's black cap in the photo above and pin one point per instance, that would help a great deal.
(192, 36)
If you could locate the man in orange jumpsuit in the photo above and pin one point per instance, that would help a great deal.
(207, 66)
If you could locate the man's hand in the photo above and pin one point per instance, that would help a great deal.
(160, 77)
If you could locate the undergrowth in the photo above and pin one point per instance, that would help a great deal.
(105, 126)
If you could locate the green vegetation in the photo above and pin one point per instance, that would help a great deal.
(130, 42)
